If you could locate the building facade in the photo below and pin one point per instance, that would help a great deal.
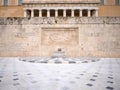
(77, 27)
(16, 8)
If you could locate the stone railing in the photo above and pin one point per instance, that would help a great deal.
(59, 20)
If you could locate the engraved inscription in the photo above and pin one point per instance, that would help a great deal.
(58, 36)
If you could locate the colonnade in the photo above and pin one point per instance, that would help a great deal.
(89, 12)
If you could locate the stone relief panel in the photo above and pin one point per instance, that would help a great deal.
(59, 36)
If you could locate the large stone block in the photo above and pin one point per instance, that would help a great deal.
(60, 36)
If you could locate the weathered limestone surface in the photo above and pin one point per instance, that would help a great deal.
(59, 20)
(59, 1)
(98, 37)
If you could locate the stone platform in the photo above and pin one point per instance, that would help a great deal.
(19, 75)
(58, 59)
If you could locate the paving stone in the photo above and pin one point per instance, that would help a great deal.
(24, 60)
(110, 77)
(32, 61)
(29, 73)
(89, 84)
(92, 80)
(1, 76)
(95, 76)
(97, 73)
(77, 77)
(109, 88)
(16, 84)
(57, 62)
(85, 62)
(93, 60)
(81, 74)
(15, 75)
(14, 72)
(65, 88)
(15, 79)
(72, 62)
(44, 62)
(33, 81)
(110, 82)
(110, 74)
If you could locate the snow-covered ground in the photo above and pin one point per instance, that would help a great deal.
(18, 75)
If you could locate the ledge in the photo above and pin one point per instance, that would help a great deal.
(61, 1)
(59, 20)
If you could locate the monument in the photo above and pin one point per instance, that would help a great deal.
(58, 54)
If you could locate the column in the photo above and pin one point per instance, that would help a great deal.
(64, 12)
(25, 13)
(96, 12)
(32, 12)
(72, 12)
(80, 13)
(48, 12)
(56, 13)
(89, 12)
(40, 13)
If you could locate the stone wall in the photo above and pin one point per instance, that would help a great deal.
(11, 11)
(18, 11)
(109, 10)
(99, 37)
